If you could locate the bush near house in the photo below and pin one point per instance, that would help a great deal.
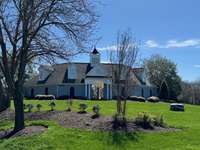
(137, 98)
(153, 99)
(45, 97)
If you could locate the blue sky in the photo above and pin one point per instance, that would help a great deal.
(170, 28)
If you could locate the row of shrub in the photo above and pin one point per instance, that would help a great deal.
(153, 99)
(52, 105)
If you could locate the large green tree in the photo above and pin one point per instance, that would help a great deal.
(162, 73)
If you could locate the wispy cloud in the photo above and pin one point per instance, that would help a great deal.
(173, 44)
(108, 48)
(197, 66)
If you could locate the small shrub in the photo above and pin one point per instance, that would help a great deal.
(83, 108)
(96, 110)
(25, 107)
(39, 106)
(148, 121)
(69, 104)
(159, 121)
(30, 107)
(153, 99)
(52, 105)
(45, 97)
(119, 122)
(144, 120)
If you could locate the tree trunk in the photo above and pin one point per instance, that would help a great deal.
(19, 109)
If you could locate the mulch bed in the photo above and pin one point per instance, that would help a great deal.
(80, 121)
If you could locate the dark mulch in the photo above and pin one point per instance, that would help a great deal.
(84, 121)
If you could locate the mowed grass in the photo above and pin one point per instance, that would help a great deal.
(60, 138)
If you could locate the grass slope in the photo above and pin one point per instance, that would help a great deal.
(61, 138)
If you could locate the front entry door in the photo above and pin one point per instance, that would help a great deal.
(72, 92)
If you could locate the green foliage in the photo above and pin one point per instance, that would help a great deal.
(83, 108)
(39, 106)
(148, 121)
(29, 107)
(52, 105)
(69, 104)
(153, 99)
(144, 120)
(159, 121)
(119, 122)
(162, 70)
(75, 139)
(96, 110)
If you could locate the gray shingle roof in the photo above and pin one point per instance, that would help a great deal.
(60, 74)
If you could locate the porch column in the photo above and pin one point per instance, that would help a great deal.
(89, 96)
(86, 90)
(110, 91)
(107, 91)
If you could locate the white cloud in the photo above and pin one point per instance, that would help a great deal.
(197, 66)
(151, 44)
(173, 44)
(108, 48)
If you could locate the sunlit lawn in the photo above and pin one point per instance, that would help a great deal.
(61, 138)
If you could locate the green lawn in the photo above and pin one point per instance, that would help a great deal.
(60, 138)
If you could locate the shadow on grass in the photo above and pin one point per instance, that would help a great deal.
(122, 137)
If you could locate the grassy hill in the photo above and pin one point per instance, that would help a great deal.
(58, 137)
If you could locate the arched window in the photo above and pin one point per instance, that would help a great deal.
(46, 91)
(72, 92)
(32, 93)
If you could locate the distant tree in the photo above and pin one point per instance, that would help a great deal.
(40, 30)
(123, 60)
(190, 92)
(162, 73)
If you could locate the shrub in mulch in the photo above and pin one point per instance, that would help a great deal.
(29, 107)
(52, 105)
(69, 105)
(119, 122)
(96, 110)
(38, 106)
(153, 99)
(147, 121)
(83, 108)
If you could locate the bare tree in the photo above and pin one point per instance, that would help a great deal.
(40, 30)
(123, 60)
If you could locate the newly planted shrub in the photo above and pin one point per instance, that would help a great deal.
(148, 121)
(96, 110)
(83, 108)
(119, 122)
(69, 104)
(30, 107)
(52, 105)
(39, 106)
(144, 120)
(159, 121)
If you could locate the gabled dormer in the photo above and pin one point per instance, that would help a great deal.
(44, 71)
